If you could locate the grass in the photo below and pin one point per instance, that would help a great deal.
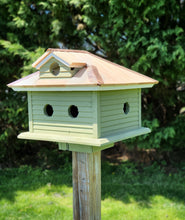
(127, 193)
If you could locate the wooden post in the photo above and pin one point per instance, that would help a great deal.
(87, 186)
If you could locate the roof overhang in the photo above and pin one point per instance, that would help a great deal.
(94, 74)
(85, 141)
(81, 88)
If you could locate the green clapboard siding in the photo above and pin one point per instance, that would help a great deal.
(100, 113)
(112, 117)
(61, 122)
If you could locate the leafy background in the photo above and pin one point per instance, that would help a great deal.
(146, 36)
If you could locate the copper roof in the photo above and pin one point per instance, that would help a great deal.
(95, 71)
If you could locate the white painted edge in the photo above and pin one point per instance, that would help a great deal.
(125, 135)
(84, 141)
(29, 95)
(51, 55)
(139, 104)
(81, 88)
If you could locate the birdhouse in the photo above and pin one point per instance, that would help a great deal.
(82, 101)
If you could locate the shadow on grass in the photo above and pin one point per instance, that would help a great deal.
(27, 178)
(122, 182)
(127, 183)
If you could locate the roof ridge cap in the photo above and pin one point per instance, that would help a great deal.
(95, 75)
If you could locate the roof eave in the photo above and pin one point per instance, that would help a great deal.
(93, 87)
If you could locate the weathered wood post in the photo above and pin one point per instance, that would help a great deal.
(78, 99)
(87, 186)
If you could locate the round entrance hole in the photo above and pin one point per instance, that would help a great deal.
(73, 111)
(126, 108)
(55, 69)
(48, 110)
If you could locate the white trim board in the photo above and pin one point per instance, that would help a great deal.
(51, 55)
(98, 142)
(82, 88)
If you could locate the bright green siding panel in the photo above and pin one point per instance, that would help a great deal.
(61, 122)
(113, 119)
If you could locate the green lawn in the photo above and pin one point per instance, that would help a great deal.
(127, 193)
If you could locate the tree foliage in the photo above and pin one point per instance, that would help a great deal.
(146, 36)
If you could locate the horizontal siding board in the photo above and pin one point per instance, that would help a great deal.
(64, 129)
(83, 120)
(59, 108)
(117, 93)
(62, 94)
(119, 97)
(61, 122)
(118, 121)
(120, 126)
(74, 134)
(118, 109)
(109, 115)
(62, 125)
(119, 106)
(62, 103)
(63, 98)
(120, 101)
(113, 118)
(117, 131)
(118, 112)
(75, 121)
(62, 70)
(59, 114)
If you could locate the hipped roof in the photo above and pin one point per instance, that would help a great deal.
(95, 72)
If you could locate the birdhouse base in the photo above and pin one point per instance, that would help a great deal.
(80, 144)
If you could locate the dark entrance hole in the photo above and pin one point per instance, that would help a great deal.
(48, 110)
(55, 69)
(73, 111)
(126, 108)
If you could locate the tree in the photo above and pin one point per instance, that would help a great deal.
(142, 35)
(148, 37)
